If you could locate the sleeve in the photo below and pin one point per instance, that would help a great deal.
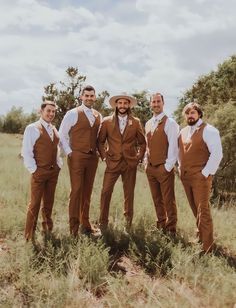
(141, 141)
(172, 132)
(68, 121)
(102, 136)
(31, 134)
(212, 139)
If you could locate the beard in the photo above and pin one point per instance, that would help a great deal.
(191, 121)
(122, 110)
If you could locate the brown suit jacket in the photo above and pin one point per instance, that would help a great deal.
(114, 146)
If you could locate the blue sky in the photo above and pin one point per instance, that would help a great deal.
(126, 45)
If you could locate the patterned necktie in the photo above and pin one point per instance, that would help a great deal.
(90, 117)
(50, 131)
(122, 122)
(154, 124)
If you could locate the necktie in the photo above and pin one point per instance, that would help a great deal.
(122, 125)
(50, 131)
(154, 124)
(90, 117)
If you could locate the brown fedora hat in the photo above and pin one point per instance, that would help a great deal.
(113, 100)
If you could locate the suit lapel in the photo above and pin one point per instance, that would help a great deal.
(128, 125)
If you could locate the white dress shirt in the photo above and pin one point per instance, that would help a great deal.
(69, 120)
(31, 135)
(122, 123)
(171, 129)
(211, 137)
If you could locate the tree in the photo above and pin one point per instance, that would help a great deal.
(142, 110)
(215, 92)
(68, 95)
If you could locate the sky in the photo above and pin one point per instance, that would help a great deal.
(121, 46)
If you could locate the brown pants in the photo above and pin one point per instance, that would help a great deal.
(82, 168)
(128, 176)
(161, 184)
(43, 185)
(198, 189)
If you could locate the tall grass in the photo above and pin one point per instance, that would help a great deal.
(64, 272)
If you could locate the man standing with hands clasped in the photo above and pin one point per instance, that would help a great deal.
(78, 134)
(162, 152)
(41, 158)
(121, 144)
(200, 153)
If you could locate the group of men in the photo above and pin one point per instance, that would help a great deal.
(122, 145)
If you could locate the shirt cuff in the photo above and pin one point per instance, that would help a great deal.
(168, 167)
(205, 173)
(32, 169)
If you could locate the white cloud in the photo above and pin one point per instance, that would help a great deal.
(156, 45)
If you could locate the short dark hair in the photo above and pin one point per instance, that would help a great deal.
(87, 88)
(157, 93)
(47, 102)
(195, 106)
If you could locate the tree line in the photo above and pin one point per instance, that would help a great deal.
(215, 91)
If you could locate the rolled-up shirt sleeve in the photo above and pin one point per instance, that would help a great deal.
(31, 134)
(212, 139)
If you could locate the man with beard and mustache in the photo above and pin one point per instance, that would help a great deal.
(78, 134)
(200, 153)
(162, 153)
(121, 143)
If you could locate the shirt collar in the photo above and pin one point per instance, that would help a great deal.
(159, 116)
(86, 109)
(44, 123)
(123, 118)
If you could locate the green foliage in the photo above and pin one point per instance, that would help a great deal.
(15, 121)
(142, 110)
(67, 95)
(216, 93)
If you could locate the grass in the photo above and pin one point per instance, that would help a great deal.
(143, 269)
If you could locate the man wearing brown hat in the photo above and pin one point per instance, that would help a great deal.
(78, 133)
(200, 153)
(162, 152)
(121, 144)
(41, 158)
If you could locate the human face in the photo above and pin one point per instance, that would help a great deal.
(156, 104)
(122, 105)
(88, 98)
(192, 116)
(48, 113)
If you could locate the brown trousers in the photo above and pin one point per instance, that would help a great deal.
(82, 168)
(161, 184)
(128, 176)
(198, 189)
(43, 185)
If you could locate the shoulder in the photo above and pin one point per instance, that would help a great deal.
(33, 126)
(171, 121)
(107, 119)
(183, 130)
(211, 130)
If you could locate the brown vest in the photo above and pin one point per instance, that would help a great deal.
(45, 150)
(158, 144)
(193, 154)
(83, 137)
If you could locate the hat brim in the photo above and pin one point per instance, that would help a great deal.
(113, 100)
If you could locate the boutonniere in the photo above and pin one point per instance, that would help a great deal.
(96, 115)
(159, 122)
(130, 122)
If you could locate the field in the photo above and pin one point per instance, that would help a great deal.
(143, 269)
